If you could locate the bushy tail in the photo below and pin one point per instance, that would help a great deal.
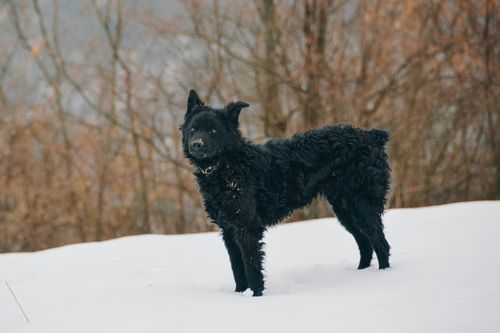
(379, 136)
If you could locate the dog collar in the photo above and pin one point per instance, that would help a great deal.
(208, 170)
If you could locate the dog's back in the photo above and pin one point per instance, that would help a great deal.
(338, 161)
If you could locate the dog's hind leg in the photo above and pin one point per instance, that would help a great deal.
(249, 239)
(369, 220)
(364, 245)
(236, 259)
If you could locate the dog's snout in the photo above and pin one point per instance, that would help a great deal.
(197, 144)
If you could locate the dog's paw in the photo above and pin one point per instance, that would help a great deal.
(240, 289)
(257, 293)
(363, 265)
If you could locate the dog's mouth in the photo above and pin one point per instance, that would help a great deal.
(201, 155)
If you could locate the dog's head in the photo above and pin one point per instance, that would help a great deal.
(207, 132)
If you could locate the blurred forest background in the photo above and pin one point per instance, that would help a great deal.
(92, 94)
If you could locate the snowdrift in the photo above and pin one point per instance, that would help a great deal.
(444, 278)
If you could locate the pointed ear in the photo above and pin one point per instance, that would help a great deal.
(193, 100)
(233, 111)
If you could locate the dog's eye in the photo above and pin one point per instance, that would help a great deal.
(192, 130)
(213, 131)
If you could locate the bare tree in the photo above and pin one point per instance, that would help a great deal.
(89, 140)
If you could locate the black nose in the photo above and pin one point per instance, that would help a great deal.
(197, 145)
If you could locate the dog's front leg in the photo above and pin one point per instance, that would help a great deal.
(236, 259)
(249, 239)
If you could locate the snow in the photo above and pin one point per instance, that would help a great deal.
(444, 278)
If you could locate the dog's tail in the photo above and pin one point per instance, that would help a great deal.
(379, 136)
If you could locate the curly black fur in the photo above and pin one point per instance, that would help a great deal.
(247, 187)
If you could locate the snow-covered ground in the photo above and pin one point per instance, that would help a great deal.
(444, 278)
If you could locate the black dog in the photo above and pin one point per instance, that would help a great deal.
(247, 187)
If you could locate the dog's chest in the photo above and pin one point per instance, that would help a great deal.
(231, 192)
(222, 196)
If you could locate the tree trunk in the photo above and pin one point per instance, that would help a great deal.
(274, 120)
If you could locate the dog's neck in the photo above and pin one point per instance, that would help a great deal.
(207, 170)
